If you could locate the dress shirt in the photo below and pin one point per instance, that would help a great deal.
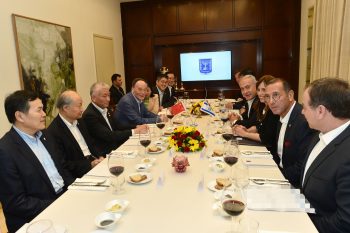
(284, 120)
(73, 128)
(250, 102)
(161, 94)
(44, 157)
(325, 139)
(138, 102)
(104, 114)
(169, 87)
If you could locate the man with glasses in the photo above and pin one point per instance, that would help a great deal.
(293, 132)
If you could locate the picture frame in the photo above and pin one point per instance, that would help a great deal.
(45, 59)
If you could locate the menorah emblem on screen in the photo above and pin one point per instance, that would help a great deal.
(205, 66)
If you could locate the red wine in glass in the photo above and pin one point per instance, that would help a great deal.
(227, 136)
(145, 142)
(116, 170)
(170, 116)
(233, 207)
(230, 160)
(160, 125)
(224, 119)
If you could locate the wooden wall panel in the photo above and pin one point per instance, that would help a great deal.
(165, 18)
(136, 19)
(145, 72)
(282, 12)
(191, 16)
(277, 43)
(247, 13)
(219, 15)
(139, 51)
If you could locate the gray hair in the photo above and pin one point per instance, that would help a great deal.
(96, 87)
(252, 77)
(64, 99)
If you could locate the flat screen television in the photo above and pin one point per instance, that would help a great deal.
(205, 66)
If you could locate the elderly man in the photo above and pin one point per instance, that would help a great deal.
(100, 123)
(72, 136)
(31, 175)
(248, 110)
(131, 110)
(161, 89)
(326, 172)
(116, 90)
(293, 132)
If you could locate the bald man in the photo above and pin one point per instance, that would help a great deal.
(72, 136)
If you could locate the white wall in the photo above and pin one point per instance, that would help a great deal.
(305, 5)
(85, 17)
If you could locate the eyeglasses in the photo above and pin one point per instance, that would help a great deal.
(275, 97)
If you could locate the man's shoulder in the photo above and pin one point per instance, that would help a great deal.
(90, 110)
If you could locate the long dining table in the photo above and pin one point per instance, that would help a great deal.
(171, 202)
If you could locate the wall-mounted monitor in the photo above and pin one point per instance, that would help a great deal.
(205, 66)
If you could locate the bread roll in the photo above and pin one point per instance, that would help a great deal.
(137, 178)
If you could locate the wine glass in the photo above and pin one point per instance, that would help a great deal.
(43, 225)
(227, 133)
(170, 116)
(224, 116)
(116, 168)
(160, 125)
(220, 96)
(231, 155)
(233, 203)
(242, 175)
(145, 139)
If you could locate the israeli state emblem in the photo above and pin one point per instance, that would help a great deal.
(205, 66)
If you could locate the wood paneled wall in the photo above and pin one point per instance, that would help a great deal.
(262, 35)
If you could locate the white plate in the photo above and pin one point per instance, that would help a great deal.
(107, 216)
(162, 149)
(217, 166)
(122, 205)
(142, 167)
(148, 179)
(218, 194)
(216, 159)
(211, 186)
(148, 160)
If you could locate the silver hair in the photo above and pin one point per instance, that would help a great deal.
(64, 99)
(96, 87)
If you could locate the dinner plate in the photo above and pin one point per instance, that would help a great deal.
(217, 166)
(116, 206)
(142, 167)
(211, 186)
(162, 149)
(148, 179)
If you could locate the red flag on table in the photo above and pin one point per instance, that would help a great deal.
(177, 108)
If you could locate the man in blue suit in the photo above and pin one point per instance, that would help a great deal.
(293, 132)
(31, 175)
(131, 110)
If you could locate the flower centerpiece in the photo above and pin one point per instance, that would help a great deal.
(186, 139)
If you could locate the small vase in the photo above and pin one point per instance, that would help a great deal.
(180, 163)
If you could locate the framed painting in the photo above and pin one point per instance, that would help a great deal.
(45, 59)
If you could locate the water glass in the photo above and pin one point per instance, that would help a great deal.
(248, 225)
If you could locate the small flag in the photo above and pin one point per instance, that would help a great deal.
(177, 108)
(206, 108)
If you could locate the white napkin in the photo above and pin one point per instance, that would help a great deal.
(259, 162)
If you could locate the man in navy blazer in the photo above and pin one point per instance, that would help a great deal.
(72, 137)
(131, 110)
(293, 132)
(162, 90)
(31, 175)
(325, 175)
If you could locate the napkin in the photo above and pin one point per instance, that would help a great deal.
(130, 154)
(259, 162)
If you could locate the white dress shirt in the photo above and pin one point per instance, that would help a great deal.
(284, 120)
(104, 114)
(250, 102)
(161, 94)
(325, 139)
(73, 128)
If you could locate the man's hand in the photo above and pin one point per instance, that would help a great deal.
(96, 161)
(141, 129)
(233, 117)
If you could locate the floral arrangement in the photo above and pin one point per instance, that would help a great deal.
(186, 139)
(196, 108)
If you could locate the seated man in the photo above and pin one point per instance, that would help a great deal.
(293, 132)
(31, 175)
(131, 110)
(248, 111)
(171, 86)
(72, 136)
(162, 90)
(100, 123)
(325, 174)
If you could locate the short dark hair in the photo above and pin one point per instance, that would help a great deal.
(285, 84)
(246, 71)
(136, 80)
(115, 76)
(18, 101)
(160, 76)
(333, 93)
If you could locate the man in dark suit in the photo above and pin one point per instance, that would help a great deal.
(325, 175)
(116, 90)
(161, 89)
(293, 132)
(171, 86)
(248, 113)
(72, 136)
(131, 110)
(31, 175)
(100, 123)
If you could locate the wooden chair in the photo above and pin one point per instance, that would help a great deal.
(3, 228)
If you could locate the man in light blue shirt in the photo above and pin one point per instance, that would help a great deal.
(31, 175)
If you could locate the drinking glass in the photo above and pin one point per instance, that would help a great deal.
(224, 116)
(221, 96)
(160, 125)
(145, 139)
(42, 226)
(233, 203)
(116, 168)
(242, 175)
(227, 133)
(231, 155)
(248, 225)
(170, 116)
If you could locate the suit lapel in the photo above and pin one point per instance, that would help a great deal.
(68, 133)
(290, 124)
(100, 117)
(29, 155)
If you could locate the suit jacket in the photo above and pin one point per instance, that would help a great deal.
(116, 94)
(74, 159)
(172, 94)
(26, 189)
(250, 119)
(128, 114)
(106, 139)
(327, 185)
(267, 130)
(296, 141)
(167, 101)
